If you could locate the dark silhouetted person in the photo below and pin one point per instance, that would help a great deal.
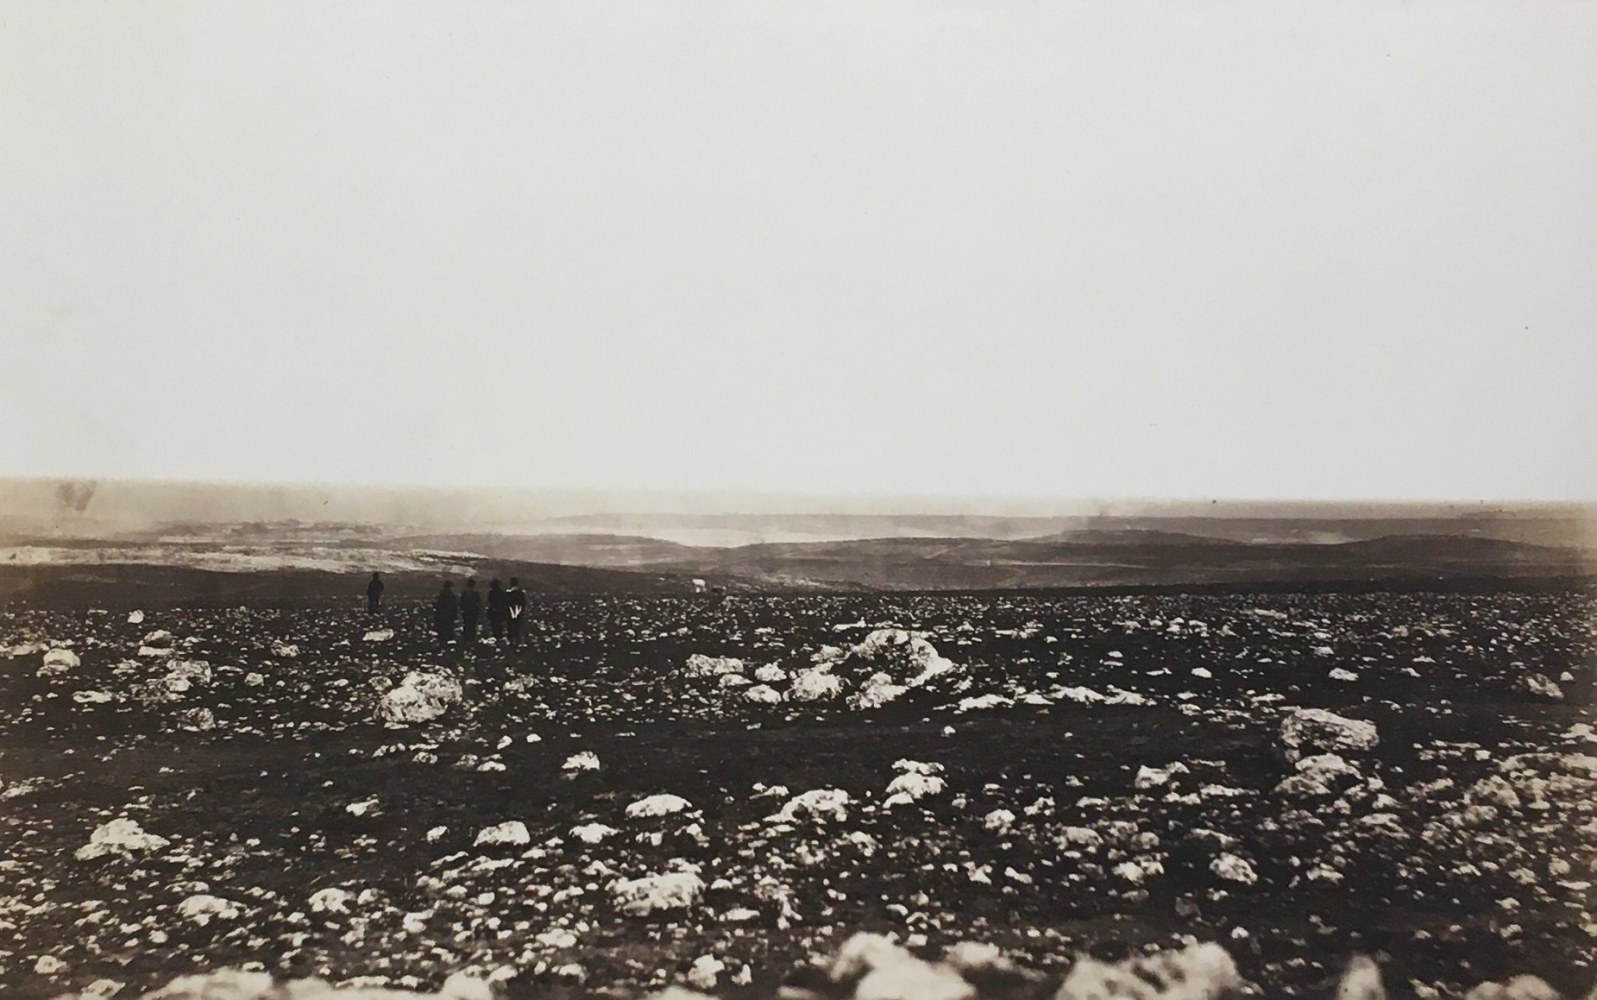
(374, 593)
(516, 610)
(446, 606)
(470, 610)
(497, 608)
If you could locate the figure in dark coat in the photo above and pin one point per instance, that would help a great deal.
(516, 610)
(446, 606)
(498, 609)
(470, 610)
(374, 593)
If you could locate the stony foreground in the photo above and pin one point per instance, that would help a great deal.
(671, 791)
(874, 967)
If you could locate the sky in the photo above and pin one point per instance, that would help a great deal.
(1253, 250)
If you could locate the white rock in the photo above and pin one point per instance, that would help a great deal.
(49, 965)
(975, 956)
(203, 908)
(916, 786)
(888, 972)
(705, 970)
(1155, 777)
(998, 820)
(1199, 972)
(878, 690)
(770, 674)
(1080, 837)
(331, 901)
(1234, 869)
(593, 833)
(120, 836)
(378, 635)
(59, 661)
(763, 694)
(700, 665)
(1538, 684)
(1320, 775)
(652, 893)
(584, 761)
(657, 805)
(814, 685)
(511, 833)
(464, 986)
(1341, 674)
(557, 937)
(92, 697)
(1361, 981)
(984, 702)
(135, 617)
(1317, 729)
(1516, 988)
(816, 804)
(913, 980)
(421, 696)
(916, 659)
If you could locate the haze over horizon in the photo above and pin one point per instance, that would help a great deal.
(1273, 251)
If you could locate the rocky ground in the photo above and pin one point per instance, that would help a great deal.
(660, 791)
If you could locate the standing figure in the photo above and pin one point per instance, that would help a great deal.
(497, 608)
(470, 611)
(516, 606)
(374, 593)
(445, 607)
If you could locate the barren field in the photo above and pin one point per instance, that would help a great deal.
(658, 790)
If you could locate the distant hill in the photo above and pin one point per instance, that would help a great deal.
(145, 585)
(1129, 559)
(56, 535)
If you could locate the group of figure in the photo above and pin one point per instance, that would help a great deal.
(506, 607)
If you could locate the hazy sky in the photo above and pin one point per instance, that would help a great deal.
(1120, 249)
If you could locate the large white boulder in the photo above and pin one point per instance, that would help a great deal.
(1199, 972)
(421, 697)
(120, 836)
(58, 661)
(905, 656)
(1309, 730)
